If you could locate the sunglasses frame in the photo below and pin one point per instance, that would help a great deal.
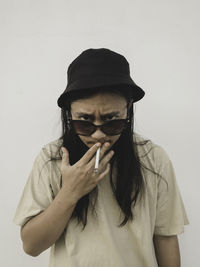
(127, 120)
(69, 119)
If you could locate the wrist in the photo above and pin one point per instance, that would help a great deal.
(68, 196)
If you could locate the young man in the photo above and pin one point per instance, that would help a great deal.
(123, 210)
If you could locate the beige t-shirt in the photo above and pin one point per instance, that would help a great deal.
(103, 243)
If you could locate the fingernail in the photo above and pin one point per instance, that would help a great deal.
(107, 144)
(98, 144)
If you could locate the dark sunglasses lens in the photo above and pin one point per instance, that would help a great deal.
(82, 127)
(114, 127)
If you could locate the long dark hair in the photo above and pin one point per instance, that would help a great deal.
(129, 184)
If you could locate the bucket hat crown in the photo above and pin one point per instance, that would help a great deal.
(99, 68)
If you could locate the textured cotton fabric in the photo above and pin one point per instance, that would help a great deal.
(102, 243)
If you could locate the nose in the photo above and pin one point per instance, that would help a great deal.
(98, 135)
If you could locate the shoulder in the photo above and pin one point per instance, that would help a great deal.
(49, 151)
(48, 157)
(150, 153)
(52, 149)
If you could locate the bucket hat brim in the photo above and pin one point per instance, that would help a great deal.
(102, 81)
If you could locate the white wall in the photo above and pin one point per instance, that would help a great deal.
(39, 39)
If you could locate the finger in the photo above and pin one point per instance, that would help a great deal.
(103, 163)
(106, 159)
(105, 148)
(90, 153)
(65, 156)
(102, 153)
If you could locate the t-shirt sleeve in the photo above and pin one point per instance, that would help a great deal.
(37, 194)
(170, 211)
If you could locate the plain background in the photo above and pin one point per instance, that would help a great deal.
(39, 39)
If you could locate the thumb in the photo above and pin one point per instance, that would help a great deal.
(65, 156)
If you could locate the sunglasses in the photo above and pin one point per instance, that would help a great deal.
(87, 128)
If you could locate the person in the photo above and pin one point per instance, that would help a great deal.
(127, 213)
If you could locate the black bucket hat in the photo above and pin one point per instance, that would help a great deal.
(99, 68)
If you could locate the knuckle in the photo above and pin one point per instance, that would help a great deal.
(87, 170)
(79, 165)
(80, 170)
(90, 153)
(104, 149)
